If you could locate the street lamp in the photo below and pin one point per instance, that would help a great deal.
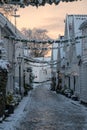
(19, 59)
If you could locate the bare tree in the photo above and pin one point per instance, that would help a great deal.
(37, 35)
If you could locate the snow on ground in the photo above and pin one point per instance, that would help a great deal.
(11, 122)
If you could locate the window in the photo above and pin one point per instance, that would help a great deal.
(0, 54)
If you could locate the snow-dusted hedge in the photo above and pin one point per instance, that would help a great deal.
(4, 64)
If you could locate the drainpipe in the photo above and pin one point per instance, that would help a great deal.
(58, 66)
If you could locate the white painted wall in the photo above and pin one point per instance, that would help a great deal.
(72, 26)
(40, 72)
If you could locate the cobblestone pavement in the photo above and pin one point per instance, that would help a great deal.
(51, 111)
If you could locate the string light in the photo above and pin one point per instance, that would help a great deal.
(47, 63)
(23, 3)
(50, 48)
(42, 81)
(47, 41)
(50, 42)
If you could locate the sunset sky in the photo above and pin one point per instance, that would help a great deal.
(49, 17)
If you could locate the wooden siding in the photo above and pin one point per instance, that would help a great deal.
(83, 83)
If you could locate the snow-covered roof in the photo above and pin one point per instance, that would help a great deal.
(9, 27)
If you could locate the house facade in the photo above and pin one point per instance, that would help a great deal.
(41, 71)
(11, 50)
(83, 64)
(73, 51)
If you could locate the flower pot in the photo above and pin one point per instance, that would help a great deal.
(10, 109)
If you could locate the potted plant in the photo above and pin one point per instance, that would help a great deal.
(10, 103)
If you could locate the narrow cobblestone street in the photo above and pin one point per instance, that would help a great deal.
(50, 111)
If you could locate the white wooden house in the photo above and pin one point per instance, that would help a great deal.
(11, 50)
(41, 71)
(83, 64)
(73, 50)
